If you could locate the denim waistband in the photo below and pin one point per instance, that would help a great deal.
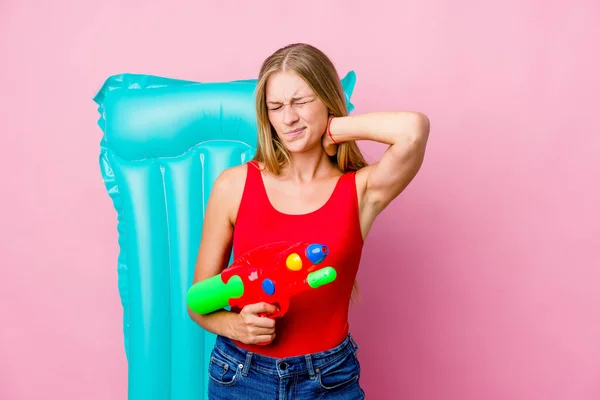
(309, 363)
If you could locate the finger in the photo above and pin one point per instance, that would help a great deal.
(258, 331)
(260, 308)
(260, 322)
(264, 322)
(263, 338)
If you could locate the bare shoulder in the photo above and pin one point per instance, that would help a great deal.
(229, 188)
(232, 177)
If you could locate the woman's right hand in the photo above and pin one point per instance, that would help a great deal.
(249, 328)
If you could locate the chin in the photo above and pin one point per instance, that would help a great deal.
(295, 147)
(301, 146)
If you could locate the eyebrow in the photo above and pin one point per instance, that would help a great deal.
(293, 98)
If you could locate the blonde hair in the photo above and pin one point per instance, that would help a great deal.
(317, 70)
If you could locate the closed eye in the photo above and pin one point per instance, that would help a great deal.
(296, 102)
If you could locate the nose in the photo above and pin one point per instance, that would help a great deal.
(289, 115)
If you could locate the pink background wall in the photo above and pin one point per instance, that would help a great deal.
(480, 282)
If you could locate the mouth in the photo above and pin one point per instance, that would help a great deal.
(295, 132)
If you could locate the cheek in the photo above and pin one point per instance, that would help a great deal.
(275, 122)
(316, 119)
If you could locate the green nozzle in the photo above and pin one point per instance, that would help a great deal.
(212, 294)
(321, 277)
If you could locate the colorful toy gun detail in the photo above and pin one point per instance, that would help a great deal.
(272, 273)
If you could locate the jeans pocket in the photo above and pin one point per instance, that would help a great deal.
(222, 370)
(340, 373)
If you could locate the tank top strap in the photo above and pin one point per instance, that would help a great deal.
(346, 189)
(254, 180)
(254, 188)
(253, 170)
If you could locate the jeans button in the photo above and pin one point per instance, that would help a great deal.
(283, 366)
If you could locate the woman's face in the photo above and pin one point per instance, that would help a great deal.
(295, 111)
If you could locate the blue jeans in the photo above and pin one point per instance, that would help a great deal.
(239, 374)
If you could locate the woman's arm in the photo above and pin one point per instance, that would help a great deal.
(405, 132)
(214, 252)
(213, 257)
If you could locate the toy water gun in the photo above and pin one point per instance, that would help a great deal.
(272, 273)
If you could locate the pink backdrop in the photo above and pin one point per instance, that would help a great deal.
(480, 282)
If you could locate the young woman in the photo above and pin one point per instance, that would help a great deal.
(307, 182)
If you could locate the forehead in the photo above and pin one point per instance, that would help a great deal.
(285, 85)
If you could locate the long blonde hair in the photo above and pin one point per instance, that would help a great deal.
(312, 65)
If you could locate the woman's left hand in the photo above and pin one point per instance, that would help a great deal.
(328, 144)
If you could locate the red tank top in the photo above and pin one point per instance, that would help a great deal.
(317, 320)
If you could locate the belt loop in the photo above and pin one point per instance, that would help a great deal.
(247, 363)
(309, 366)
(353, 343)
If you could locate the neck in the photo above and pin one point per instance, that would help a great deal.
(306, 166)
